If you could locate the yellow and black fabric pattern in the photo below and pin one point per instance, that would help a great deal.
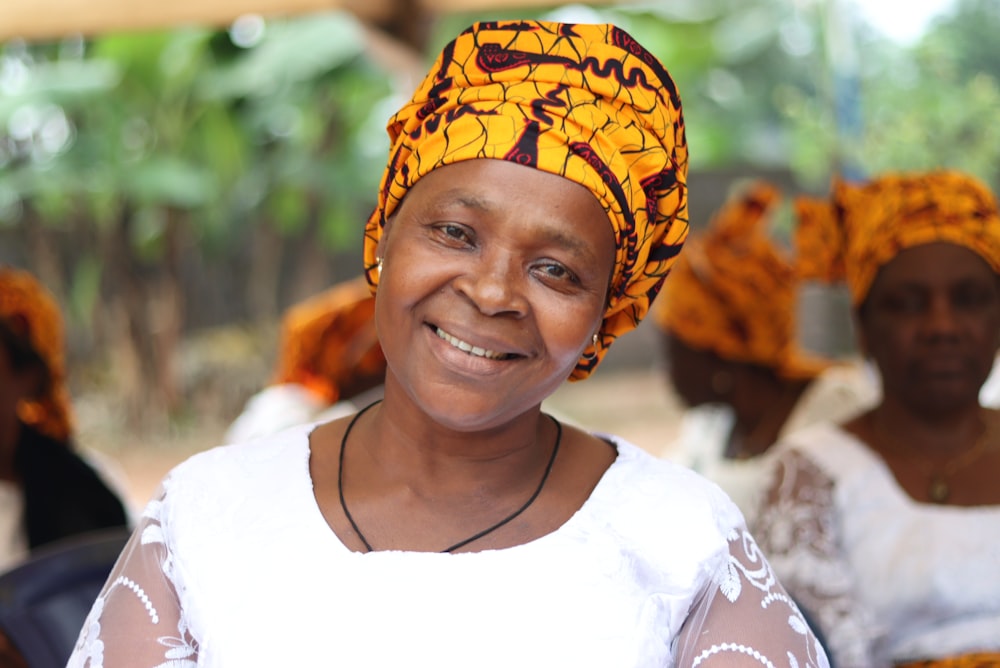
(31, 313)
(979, 660)
(586, 102)
(734, 291)
(860, 228)
(328, 342)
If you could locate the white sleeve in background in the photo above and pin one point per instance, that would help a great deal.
(274, 409)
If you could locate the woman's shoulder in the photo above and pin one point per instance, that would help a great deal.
(831, 448)
(640, 485)
(244, 463)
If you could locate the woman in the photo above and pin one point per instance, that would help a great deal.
(453, 523)
(887, 527)
(329, 361)
(47, 490)
(728, 330)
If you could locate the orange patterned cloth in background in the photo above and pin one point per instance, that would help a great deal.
(31, 313)
(990, 660)
(734, 291)
(586, 102)
(328, 342)
(862, 227)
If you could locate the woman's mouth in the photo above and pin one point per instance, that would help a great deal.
(469, 348)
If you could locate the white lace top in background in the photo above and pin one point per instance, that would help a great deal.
(888, 579)
(835, 395)
(235, 565)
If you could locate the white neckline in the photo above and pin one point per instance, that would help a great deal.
(625, 454)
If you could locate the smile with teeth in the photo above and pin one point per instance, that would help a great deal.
(469, 348)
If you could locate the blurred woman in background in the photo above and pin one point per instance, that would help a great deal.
(329, 364)
(886, 528)
(48, 491)
(727, 317)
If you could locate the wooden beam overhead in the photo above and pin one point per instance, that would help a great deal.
(449, 6)
(39, 20)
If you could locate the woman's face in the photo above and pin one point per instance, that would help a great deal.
(931, 323)
(16, 385)
(692, 371)
(495, 278)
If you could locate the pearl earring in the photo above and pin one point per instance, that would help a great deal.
(593, 355)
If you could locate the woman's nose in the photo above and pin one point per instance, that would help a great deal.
(495, 284)
(942, 317)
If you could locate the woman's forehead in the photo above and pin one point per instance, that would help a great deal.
(938, 262)
(498, 188)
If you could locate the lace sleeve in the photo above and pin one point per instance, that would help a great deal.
(797, 529)
(137, 620)
(745, 618)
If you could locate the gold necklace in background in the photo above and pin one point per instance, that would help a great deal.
(938, 487)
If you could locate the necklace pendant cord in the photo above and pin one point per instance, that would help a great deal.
(470, 539)
(938, 488)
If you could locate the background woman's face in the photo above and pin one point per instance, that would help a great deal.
(495, 278)
(931, 323)
(691, 371)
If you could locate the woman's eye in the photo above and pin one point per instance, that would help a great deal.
(905, 303)
(973, 297)
(557, 272)
(455, 232)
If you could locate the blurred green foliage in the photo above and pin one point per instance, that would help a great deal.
(125, 158)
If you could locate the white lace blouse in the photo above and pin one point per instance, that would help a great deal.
(838, 393)
(886, 578)
(234, 565)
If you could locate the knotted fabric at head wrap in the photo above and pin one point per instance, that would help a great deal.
(329, 343)
(734, 292)
(31, 314)
(585, 102)
(862, 227)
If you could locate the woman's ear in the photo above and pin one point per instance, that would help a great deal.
(383, 240)
(31, 381)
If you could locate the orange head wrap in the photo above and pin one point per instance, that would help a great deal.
(734, 292)
(585, 102)
(862, 227)
(328, 342)
(30, 312)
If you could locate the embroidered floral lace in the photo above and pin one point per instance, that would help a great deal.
(885, 579)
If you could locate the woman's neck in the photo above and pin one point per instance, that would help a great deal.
(414, 449)
(761, 411)
(932, 434)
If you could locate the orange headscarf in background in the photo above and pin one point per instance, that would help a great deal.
(30, 312)
(979, 660)
(328, 342)
(586, 102)
(734, 292)
(860, 228)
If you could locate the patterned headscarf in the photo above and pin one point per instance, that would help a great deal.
(862, 227)
(585, 102)
(329, 342)
(30, 312)
(734, 292)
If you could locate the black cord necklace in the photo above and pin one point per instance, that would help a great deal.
(461, 543)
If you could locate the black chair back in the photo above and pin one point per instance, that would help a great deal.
(45, 600)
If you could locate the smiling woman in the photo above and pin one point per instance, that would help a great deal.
(533, 202)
